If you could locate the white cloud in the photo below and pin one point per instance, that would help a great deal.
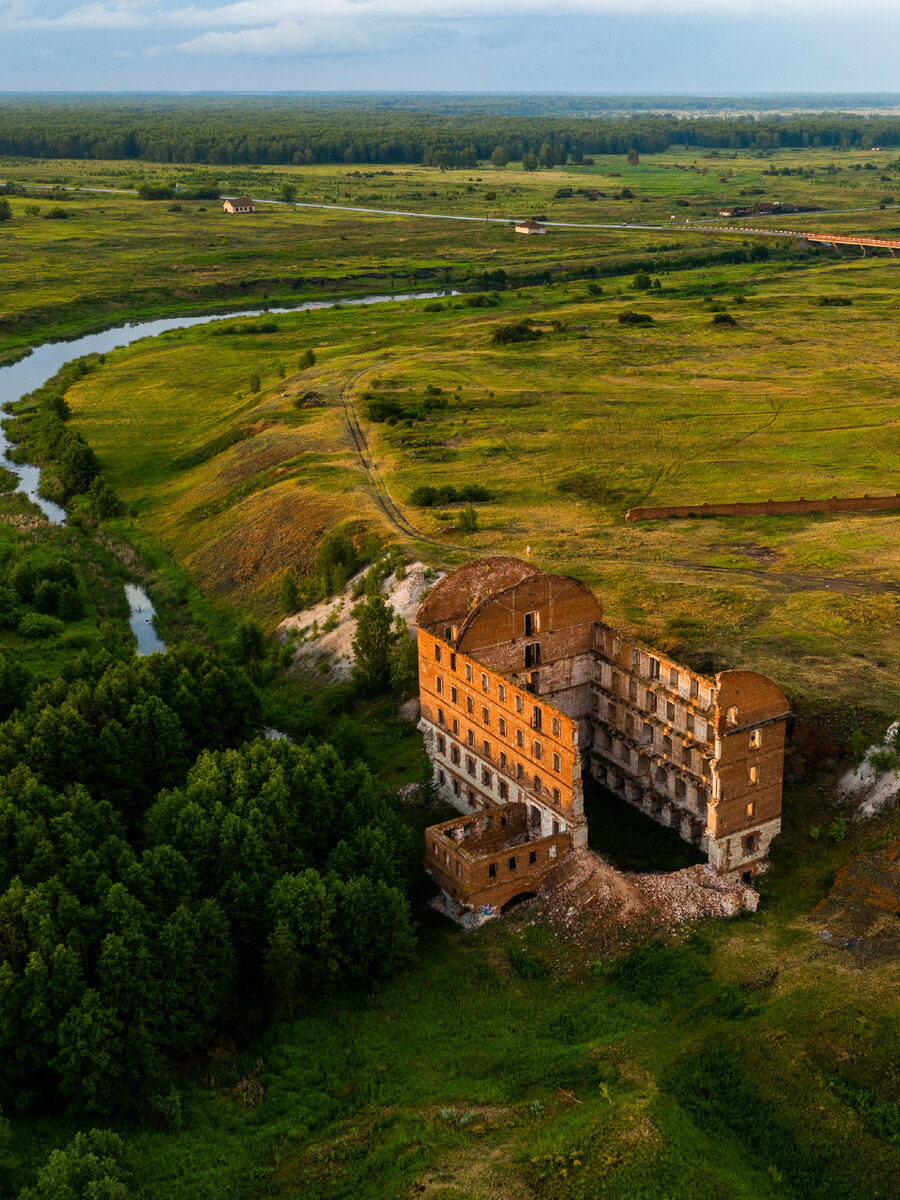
(86, 16)
(284, 38)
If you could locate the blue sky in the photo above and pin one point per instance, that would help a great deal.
(637, 46)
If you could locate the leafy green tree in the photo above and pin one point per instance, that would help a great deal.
(289, 593)
(103, 503)
(288, 192)
(404, 658)
(93, 1166)
(529, 162)
(302, 955)
(307, 359)
(468, 520)
(77, 464)
(5, 211)
(633, 157)
(499, 158)
(373, 645)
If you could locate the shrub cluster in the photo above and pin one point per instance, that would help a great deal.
(520, 331)
(426, 496)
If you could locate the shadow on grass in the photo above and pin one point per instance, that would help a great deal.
(629, 839)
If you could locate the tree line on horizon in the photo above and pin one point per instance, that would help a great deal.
(285, 131)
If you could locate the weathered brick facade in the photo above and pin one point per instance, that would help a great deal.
(523, 687)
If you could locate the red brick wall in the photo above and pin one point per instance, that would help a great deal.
(766, 508)
(563, 743)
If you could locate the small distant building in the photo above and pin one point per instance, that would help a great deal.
(239, 204)
(530, 226)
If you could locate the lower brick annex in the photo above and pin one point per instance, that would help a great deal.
(524, 689)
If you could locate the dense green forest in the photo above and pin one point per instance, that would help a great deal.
(291, 129)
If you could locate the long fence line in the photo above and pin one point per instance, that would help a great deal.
(765, 508)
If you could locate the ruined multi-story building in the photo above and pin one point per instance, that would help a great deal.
(524, 689)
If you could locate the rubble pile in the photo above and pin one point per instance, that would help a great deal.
(862, 911)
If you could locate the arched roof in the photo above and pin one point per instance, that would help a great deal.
(454, 597)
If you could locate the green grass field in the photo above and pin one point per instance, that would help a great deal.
(567, 432)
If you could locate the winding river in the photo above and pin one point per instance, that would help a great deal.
(43, 363)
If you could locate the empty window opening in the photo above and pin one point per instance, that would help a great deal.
(485, 716)
(689, 722)
(680, 789)
(612, 714)
(442, 778)
(471, 798)
(441, 717)
(485, 686)
(555, 726)
(673, 677)
(695, 689)
(452, 661)
(456, 727)
(469, 672)
(731, 715)
(556, 797)
(470, 766)
(532, 857)
(653, 670)
(486, 749)
(646, 734)
(470, 704)
(532, 623)
(454, 695)
(751, 843)
(501, 691)
(667, 744)
(557, 763)
(485, 777)
(753, 775)
(614, 683)
(520, 738)
(555, 828)
(437, 651)
(470, 737)
(501, 726)
(503, 760)
(629, 724)
(533, 682)
(439, 685)
(632, 690)
(535, 817)
(441, 745)
(492, 871)
(520, 704)
(504, 791)
(756, 739)
(454, 754)
(551, 853)
(537, 750)
(670, 711)
(520, 772)
(532, 654)
(751, 810)
(687, 757)
(661, 775)
(513, 863)
(650, 701)
(537, 783)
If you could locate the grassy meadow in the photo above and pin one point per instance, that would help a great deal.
(567, 432)
(115, 257)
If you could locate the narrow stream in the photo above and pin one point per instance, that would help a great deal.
(18, 378)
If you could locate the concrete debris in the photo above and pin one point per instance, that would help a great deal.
(586, 893)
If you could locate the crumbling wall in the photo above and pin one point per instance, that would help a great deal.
(766, 508)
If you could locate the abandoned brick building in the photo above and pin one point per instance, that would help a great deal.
(524, 689)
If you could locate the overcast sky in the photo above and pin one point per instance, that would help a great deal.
(692, 46)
